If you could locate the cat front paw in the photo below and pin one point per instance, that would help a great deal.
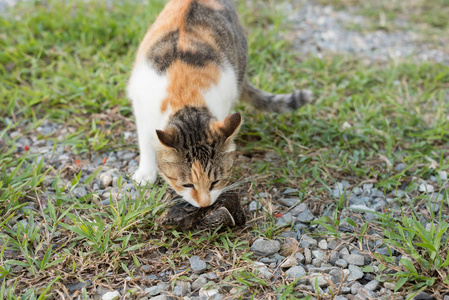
(143, 177)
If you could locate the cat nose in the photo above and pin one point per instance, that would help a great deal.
(204, 200)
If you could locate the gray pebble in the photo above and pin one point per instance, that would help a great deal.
(285, 221)
(356, 273)
(426, 188)
(197, 265)
(355, 259)
(298, 209)
(306, 241)
(160, 297)
(295, 272)
(400, 167)
(306, 216)
(289, 202)
(265, 248)
(341, 263)
(199, 283)
(372, 285)
(152, 291)
(319, 254)
(79, 191)
(322, 244)
(254, 206)
(78, 285)
(443, 177)
(355, 288)
(290, 191)
(182, 289)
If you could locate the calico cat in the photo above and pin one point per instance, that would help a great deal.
(189, 71)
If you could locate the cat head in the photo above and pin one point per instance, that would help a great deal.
(196, 155)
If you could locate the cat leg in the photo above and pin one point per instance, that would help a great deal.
(147, 89)
(147, 172)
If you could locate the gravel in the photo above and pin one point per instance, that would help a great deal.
(320, 30)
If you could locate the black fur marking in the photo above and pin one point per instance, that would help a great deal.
(193, 126)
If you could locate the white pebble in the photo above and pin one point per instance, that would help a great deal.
(111, 296)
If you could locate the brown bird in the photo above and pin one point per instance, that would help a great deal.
(226, 212)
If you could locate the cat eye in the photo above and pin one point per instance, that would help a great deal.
(213, 184)
(189, 185)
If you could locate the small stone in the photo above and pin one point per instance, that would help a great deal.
(290, 191)
(361, 208)
(295, 272)
(306, 216)
(355, 288)
(105, 180)
(255, 206)
(199, 283)
(298, 209)
(319, 254)
(332, 244)
(285, 220)
(300, 257)
(426, 188)
(367, 294)
(355, 259)
(160, 297)
(111, 296)
(326, 269)
(182, 289)
(265, 248)
(152, 291)
(208, 293)
(197, 265)
(435, 207)
(389, 285)
(356, 273)
(334, 257)
(290, 262)
(264, 272)
(306, 241)
(152, 277)
(78, 285)
(341, 263)
(79, 192)
(322, 279)
(372, 285)
(307, 255)
(210, 275)
(322, 244)
(400, 167)
(367, 186)
(443, 177)
(289, 202)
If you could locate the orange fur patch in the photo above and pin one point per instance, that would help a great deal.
(202, 184)
(186, 84)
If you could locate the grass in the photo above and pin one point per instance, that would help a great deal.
(68, 62)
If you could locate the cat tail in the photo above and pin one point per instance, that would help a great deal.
(275, 102)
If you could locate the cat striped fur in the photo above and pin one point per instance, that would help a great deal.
(189, 71)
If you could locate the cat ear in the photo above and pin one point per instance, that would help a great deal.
(229, 125)
(167, 138)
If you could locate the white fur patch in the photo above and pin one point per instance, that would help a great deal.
(147, 90)
(221, 97)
